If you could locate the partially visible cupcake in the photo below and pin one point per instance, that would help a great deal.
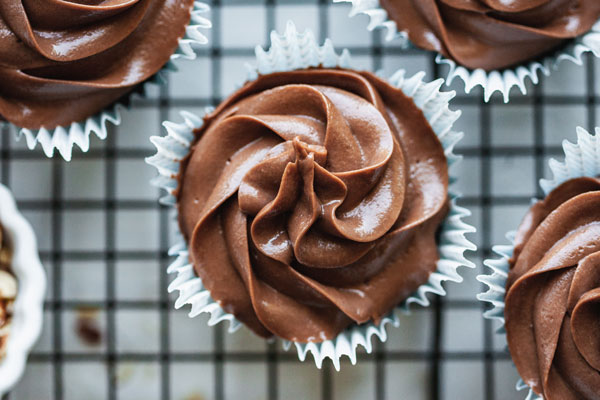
(64, 62)
(547, 285)
(314, 200)
(492, 35)
(553, 293)
(479, 37)
(22, 291)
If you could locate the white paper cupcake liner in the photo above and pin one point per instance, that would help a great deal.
(63, 138)
(581, 159)
(29, 305)
(291, 51)
(493, 81)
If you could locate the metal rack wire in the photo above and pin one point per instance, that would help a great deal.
(446, 366)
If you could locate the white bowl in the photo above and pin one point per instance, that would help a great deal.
(29, 304)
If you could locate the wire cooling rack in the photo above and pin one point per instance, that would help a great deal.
(110, 328)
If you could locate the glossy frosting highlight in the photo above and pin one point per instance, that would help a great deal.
(492, 34)
(311, 200)
(553, 294)
(63, 61)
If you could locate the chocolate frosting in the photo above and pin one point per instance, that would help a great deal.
(553, 294)
(311, 200)
(492, 34)
(63, 61)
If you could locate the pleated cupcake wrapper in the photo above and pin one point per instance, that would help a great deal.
(291, 51)
(64, 138)
(501, 81)
(27, 318)
(581, 159)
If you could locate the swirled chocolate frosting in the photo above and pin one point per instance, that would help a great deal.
(311, 200)
(553, 294)
(492, 34)
(63, 61)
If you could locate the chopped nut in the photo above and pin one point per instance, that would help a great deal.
(10, 306)
(8, 292)
(8, 285)
(88, 331)
(3, 341)
(5, 329)
(5, 256)
(5, 251)
(4, 332)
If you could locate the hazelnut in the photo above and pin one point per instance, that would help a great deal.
(8, 286)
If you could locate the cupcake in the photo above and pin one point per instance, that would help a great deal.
(495, 44)
(314, 200)
(548, 282)
(64, 65)
(22, 290)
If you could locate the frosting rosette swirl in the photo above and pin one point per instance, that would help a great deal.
(553, 293)
(62, 61)
(492, 34)
(310, 200)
